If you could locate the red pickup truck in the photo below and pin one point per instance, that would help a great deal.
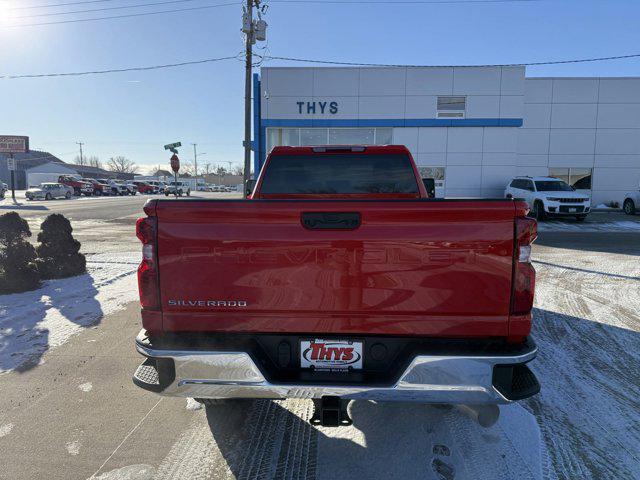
(79, 186)
(338, 280)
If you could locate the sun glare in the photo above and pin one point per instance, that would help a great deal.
(6, 7)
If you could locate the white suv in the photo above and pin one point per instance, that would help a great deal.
(548, 196)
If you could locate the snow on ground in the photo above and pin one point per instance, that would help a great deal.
(34, 322)
(587, 326)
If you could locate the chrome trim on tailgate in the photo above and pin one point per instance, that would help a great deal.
(428, 379)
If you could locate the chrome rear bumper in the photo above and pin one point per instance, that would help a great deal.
(428, 379)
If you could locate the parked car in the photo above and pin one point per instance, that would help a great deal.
(99, 188)
(115, 187)
(157, 185)
(49, 191)
(548, 196)
(79, 186)
(181, 188)
(145, 187)
(631, 203)
(338, 290)
(132, 188)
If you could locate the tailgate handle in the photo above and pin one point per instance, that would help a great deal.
(331, 220)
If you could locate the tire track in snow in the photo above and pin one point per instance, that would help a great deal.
(245, 440)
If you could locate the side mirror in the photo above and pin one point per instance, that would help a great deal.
(251, 184)
(430, 186)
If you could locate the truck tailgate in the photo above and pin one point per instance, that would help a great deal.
(415, 267)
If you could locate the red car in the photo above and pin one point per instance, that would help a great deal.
(338, 280)
(144, 187)
(80, 187)
(99, 188)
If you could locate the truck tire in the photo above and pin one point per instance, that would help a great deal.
(166, 194)
(538, 210)
(629, 207)
(188, 193)
(48, 196)
(97, 193)
(76, 191)
(67, 195)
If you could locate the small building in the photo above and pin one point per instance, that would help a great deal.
(47, 172)
(24, 162)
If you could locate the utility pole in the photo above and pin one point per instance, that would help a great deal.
(247, 97)
(81, 158)
(253, 30)
(195, 162)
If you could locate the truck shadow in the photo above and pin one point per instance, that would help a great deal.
(626, 243)
(386, 440)
(583, 424)
(27, 319)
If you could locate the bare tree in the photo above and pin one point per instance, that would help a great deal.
(206, 168)
(237, 170)
(186, 169)
(220, 170)
(77, 160)
(94, 161)
(122, 164)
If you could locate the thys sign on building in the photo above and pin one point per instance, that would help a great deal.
(317, 108)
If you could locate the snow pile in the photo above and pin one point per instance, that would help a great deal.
(33, 322)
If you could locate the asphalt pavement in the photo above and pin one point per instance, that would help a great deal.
(77, 415)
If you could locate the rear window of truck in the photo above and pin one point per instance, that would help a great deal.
(346, 173)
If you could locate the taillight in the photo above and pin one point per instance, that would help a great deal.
(148, 271)
(524, 274)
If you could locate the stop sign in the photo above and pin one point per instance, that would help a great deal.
(175, 163)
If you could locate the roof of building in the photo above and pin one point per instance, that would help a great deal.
(33, 158)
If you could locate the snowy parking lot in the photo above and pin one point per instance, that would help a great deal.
(66, 353)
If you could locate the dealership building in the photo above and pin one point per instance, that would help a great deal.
(470, 128)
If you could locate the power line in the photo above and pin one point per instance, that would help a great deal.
(524, 64)
(324, 62)
(129, 15)
(119, 70)
(103, 9)
(51, 5)
(402, 2)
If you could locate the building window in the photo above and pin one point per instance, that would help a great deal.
(437, 173)
(351, 136)
(451, 107)
(313, 136)
(328, 136)
(578, 178)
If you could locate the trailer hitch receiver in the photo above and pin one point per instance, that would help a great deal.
(331, 412)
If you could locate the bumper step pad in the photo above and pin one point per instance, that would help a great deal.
(515, 382)
(154, 374)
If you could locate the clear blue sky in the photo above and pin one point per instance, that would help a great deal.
(134, 114)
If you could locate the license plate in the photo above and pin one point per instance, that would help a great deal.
(331, 354)
(573, 209)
